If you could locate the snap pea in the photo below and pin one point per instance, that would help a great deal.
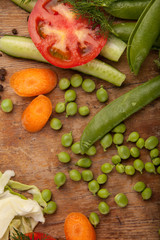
(121, 108)
(146, 31)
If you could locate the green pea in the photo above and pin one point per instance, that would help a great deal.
(116, 159)
(154, 153)
(102, 178)
(139, 186)
(59, 179)
(76, 148)
(50, 208)
(107, 167)
(55, 124)
(103, 193)
(151, 142)
(159, 231)
(135, 152)
(46, 195)
(91, 151)
(121, 200)
(64, 157)
(94, 219)
(7, 105)
(140, 143)
(88, 85)
(133, 137)
(87, 175)
(138, 165)
(123, 152)
(70, 95)
(103, 208)
(84, 162)
(67, 139)
(76, 80)
(121, 128)
(129, 170)
(75, 175)
(120, 168)
(60, 107)
(71, 109)
(106, 141)
(158, 170)
(102, 95)
(93, 186)
(84, 111)
(64, 83)
(156, 161)
(147, 193)
(118, 138)
(149, 167)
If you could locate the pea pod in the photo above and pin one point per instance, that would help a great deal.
(145, 33)
(118, 110)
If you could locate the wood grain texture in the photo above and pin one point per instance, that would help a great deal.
(33, 156)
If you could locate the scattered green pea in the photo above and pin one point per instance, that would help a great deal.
(93, 186)
(121, 200)
(107, 167)
(102, 178)
(67, 139)
(46, 195)
(84, 111)
(154, 153)
(76, 80)
(120, 168)
(158, 170)
(75, 175)
(60, 107)
(123, 152)
(147, 193)
(59, 179)
(88, 85)
(7, 105)
(140, 143)
(50, 208)
(156, 161)
(135, 152)
(149, 167)
(70, 95)
(121, 128)
(91, 151)
(84, 162)
(76, 148)
(116, 159)
(55, 124)
(129, 170)
(138, 165)
(106, 141)
(87, 175)
(133, 137)
(103, 208)
(71, 109)
(64, 83)
(103, 193)
(102, 95)
(118, 138)
(64, 157)
(139, 186)
(94, 219)
(151, 142)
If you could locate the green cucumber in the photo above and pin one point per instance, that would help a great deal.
(25, 4)
(23, 47)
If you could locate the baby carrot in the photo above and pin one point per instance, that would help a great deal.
(78, 227)
(33, 81)
(36, 115)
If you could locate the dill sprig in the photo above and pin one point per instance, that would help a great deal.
(20, 236)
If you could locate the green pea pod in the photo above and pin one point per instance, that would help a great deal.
(118, 110)
(145, 33)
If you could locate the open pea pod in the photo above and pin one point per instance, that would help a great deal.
(145, 33)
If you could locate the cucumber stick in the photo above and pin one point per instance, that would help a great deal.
(26, 5)
(23, 47)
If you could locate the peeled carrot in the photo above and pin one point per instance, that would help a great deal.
(78, 227)
(33, 81)
(36, 115)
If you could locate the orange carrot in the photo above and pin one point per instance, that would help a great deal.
(78, 227)
(37, 114)
(33, 81)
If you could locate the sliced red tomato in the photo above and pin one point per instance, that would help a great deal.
(63, 39)
(39, 236)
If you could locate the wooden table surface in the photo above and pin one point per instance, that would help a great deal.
(33, 156)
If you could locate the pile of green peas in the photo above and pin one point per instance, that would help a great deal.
(51, 206)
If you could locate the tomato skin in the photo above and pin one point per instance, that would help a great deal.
(39, 236)
(62, 39)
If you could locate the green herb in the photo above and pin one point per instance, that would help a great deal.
(20, 236)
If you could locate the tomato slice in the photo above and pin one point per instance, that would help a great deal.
(63, 39)
(39, 236)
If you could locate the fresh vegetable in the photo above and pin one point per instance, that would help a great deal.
(121, 128)
(146, 194)
(139, 186)
(78, 227)
(91, 151)
(154, 153)
(55, 124)
(76, 148)
(25, 4)
(129, 170)
(7, 105)
(94, 219)
(149, 167)
(32, 82)
(102, 95)
(120, 168)
(135, 152)
(103, 193)
(133, 137)
(84, 110)
(102, 178)
(75, 175)
(71, 109)
(67, 139)
(84, 162)
(123, 152)
(107, 168)
(50, 208)
(60, 107)
(121, 200)
(36, 115)
(145, 33)
(116, 159)
(32, 236)
(118, 138)
(76, 80)
(93, 187)
(64, 83)
(106, 141)
(121, 108)
(88, 85)
(59, 179)
(156, 161)
(151, 142)
(87, 175)
(140, 143)
(70, 95)
(138, 165)
(64, 157)
(46, 194)
(103, 208)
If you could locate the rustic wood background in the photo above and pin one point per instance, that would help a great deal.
(33, 156)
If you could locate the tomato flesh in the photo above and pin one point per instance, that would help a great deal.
(39, 236)
(63, 39)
